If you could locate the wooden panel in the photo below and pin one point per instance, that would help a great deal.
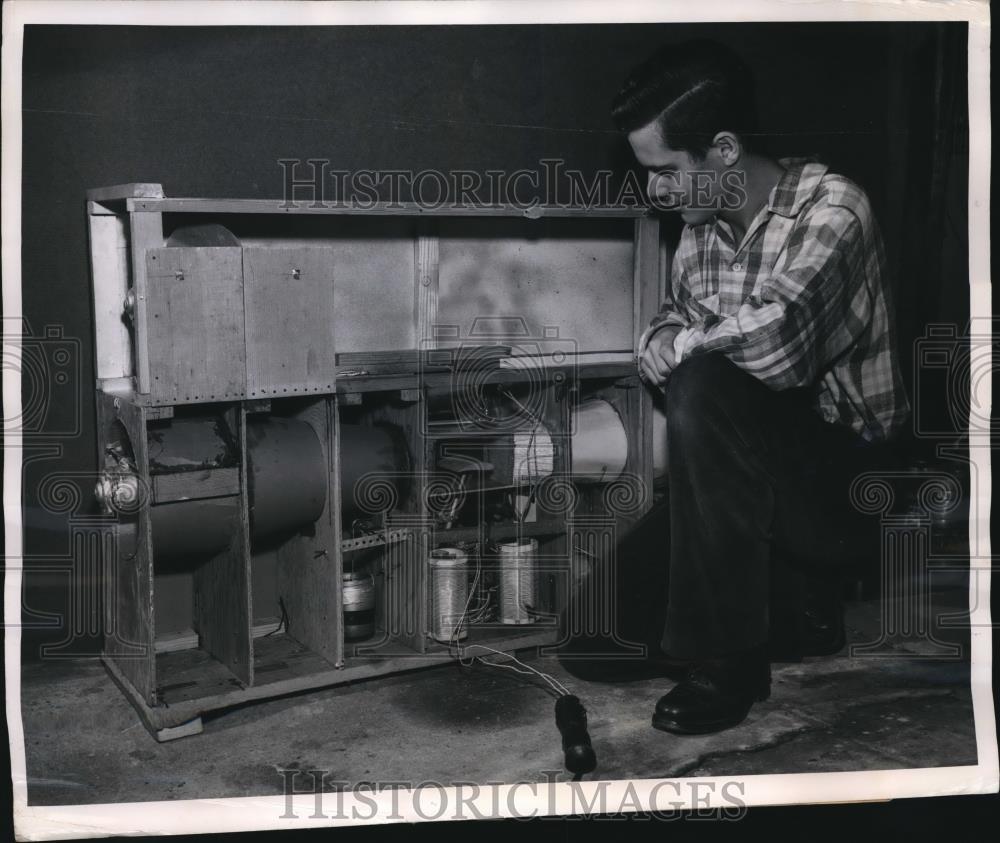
(109, 274)
(132, 190)
(392, 209)
(128, 573)
(309, 579)
(372, 260)
(288, 296)
(186, 485)
(196, 685)
(649, 269)
(145, 232)
(404, 595)
(426, 283)
(557, 273)
(222, 610)
(195, 324)
(172, 602)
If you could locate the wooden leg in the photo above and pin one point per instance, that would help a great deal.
(172, 733)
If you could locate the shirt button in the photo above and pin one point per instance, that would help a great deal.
(737, 267)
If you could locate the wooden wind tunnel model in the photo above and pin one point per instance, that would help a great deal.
(340, 443)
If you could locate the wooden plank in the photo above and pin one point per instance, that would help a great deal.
(186, 485)
(308, 575)
(371, 259)
(109, 274)
(183, 730)
(426, 266)
(647, 274)
(175, 642)
(148, 715)
(132, 190)
(536, 285)
(648, 284)
(128, 573)
(156, 413)
(288, 295)
(145, 232)
(335, 506)
(210, 690)
(444, 379)
(274, 206)
(195, 324)
(223, 614)
(403, 601)
(405, 357)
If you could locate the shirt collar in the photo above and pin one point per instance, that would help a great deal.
(800, 180)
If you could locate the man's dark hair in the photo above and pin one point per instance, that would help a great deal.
(693, 90)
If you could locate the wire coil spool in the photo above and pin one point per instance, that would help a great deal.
(517, 581)
(449, 594)
(359, 606)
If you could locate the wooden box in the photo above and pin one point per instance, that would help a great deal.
(231, 317)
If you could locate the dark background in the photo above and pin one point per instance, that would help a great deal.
(209, 111)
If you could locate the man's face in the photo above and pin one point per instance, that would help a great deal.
(676, 181)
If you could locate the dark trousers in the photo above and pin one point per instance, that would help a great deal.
(759, 505)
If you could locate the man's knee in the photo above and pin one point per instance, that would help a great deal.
(698, 385)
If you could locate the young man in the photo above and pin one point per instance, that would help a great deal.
(775, 350)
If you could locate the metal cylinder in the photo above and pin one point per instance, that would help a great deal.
(517, 586)
(449, 593)
(193, 528)
(287, 482)
(359, 606)
(288, 474)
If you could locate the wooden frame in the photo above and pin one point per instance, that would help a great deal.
(233, 659)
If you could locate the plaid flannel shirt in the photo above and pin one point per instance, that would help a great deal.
(800, 302)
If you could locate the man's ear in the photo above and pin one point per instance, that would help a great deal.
(728, 147)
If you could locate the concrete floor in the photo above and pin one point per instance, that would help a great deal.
(84, 742)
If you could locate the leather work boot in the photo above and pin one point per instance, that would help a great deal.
(716, 694)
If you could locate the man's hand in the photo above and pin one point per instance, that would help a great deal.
(657, 360)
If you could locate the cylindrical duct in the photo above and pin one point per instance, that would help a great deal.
(534, 454)
(449, 593)
(517, 562)
(366, 452)
(287, 488)
(359, 606)
(191, 528)
(599, 443)
(200, 526)
(288, 474)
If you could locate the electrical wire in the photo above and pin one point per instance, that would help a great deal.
(283, 622)
(551, 681)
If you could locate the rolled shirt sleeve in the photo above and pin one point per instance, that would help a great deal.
(669, 313)
(803, 315)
